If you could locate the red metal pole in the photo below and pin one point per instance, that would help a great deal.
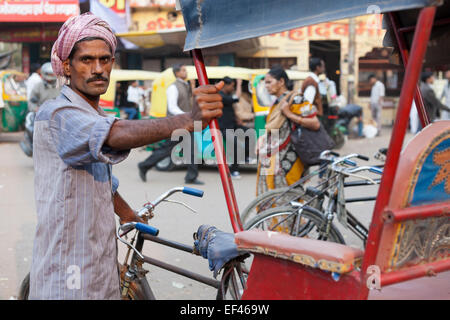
(423, 116)
(216, 136)
(420, 212)
(418, 49)
(421, 270)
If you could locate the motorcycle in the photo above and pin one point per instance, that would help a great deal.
(342, 122)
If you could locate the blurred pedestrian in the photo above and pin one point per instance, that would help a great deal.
(43, 90)
(310, 86)
(34, 78)
(230, 96)
(179, 101)
(432, 104)
(134, 97)
(377, 94)
(445, 115)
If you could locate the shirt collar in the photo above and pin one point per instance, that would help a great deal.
(314, 76)
(75, 98)
(184, 81)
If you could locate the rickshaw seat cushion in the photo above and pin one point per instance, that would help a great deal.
(327, 256)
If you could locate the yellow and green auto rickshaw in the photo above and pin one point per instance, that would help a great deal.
(159, 106)
(107, 100)
(13, 99)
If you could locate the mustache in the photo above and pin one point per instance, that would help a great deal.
(97, 78)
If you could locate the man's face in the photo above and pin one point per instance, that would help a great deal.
(321, 67)
(90, 68)
(447, 75)
(228, 88)
(430, 80)
(372, 80)
(182, 74)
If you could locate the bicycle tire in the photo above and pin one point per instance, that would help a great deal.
(312, 219)
(257, 205)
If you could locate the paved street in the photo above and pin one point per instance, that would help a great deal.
(18, 220)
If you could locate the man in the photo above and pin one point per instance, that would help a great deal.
(34, 78)
(377, 94)
(135, 96)
(310, 87)
(446, 94)
(432, 104)
(75, 250)
(44, 90)
(179, 101)
(228, 119)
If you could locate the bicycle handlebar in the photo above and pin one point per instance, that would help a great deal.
(193, 192)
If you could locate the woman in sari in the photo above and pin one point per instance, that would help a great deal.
(279, 165)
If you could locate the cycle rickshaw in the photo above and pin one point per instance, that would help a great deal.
(407, 253)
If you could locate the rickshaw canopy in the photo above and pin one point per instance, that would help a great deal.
(211, 23)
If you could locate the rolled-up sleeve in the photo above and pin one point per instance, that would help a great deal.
(80, 136)
(115, 184)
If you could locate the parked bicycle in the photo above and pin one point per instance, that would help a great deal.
(216, 246)
(296, 191)
(301, 219)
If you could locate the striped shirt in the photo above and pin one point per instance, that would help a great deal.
(75, 249)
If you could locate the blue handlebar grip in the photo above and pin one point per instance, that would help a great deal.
(350, 162)
(147, 229)
(376, 170)
(193, 192)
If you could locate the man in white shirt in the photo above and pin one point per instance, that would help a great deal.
(135, 94)
(33, 79)
(179, 101)
(310, 87)
(377, 94)
(445, 115)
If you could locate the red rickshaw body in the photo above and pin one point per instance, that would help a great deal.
(407, 253)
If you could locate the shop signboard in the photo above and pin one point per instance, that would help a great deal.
(37, 10)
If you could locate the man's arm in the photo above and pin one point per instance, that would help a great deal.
(310, 94)
(124, 211)
(435, 101)
(127, 134)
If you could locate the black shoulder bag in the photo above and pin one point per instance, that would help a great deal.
(309, 144)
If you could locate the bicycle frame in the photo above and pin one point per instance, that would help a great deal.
(134, 271)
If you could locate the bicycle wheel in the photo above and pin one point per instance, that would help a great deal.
(233, 282)
(310, 224)
(269, 199)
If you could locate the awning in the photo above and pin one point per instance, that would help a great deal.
(154, 39)
(172, 41)
(212, 22)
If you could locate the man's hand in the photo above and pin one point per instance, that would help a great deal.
(124, 211)
(207, 103)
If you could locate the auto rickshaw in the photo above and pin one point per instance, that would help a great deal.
(13, 102)
(159, 107)
(407, 255)
(107, 100)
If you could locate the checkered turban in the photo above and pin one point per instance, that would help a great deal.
(75, 29)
